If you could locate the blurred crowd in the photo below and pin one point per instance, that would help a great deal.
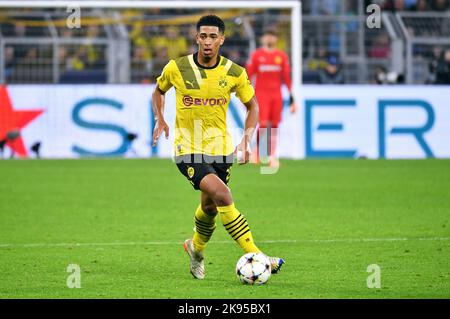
(413, 5)
(152, 46)
(333, 7)
(33, 62)
(153, 42)
(439, 68)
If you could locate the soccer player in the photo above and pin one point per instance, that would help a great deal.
(270, 67)
(204, 151)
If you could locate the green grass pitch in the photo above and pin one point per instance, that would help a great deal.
(123, 222)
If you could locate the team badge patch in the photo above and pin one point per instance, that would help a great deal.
(278, 60)
(223, 82)
(190, 172)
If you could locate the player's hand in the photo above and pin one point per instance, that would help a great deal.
(160, 126)
(243, 153)
(293, 108)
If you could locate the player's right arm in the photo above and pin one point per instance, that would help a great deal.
(163, 84)
(158, 99)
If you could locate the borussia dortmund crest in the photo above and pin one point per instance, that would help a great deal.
(223, 82)
(190, 172)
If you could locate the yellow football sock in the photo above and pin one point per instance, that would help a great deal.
(237, 226)
(204, 228)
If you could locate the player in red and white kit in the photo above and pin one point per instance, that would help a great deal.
(270, 67)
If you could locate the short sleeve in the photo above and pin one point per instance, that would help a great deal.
(164, 81)
(244, 88)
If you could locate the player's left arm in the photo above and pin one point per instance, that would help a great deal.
(246, 93)
(251, 120)
(287, 80)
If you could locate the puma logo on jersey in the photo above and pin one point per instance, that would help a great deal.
(190, 83)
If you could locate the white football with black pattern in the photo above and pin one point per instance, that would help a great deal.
(253, 269)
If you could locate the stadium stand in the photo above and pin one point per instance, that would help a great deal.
(132, 46)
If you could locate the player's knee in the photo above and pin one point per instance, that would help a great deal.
(209, 209)
(223, 197)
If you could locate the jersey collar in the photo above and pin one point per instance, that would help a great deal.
(204, 67)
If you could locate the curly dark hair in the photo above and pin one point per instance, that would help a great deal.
(211, 20)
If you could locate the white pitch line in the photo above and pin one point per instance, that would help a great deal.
(156, 243)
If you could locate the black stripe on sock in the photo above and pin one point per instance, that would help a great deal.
(232, 221)
(202, 223)
(243, 234)
(244, 227)
(210, 227)
(204, 231)
(237, 230)
(238, 223)
(205, 225)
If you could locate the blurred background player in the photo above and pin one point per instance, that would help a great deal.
(270, 68)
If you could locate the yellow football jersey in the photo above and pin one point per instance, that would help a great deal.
(202, 99)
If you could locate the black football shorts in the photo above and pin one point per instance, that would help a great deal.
(196, 166)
